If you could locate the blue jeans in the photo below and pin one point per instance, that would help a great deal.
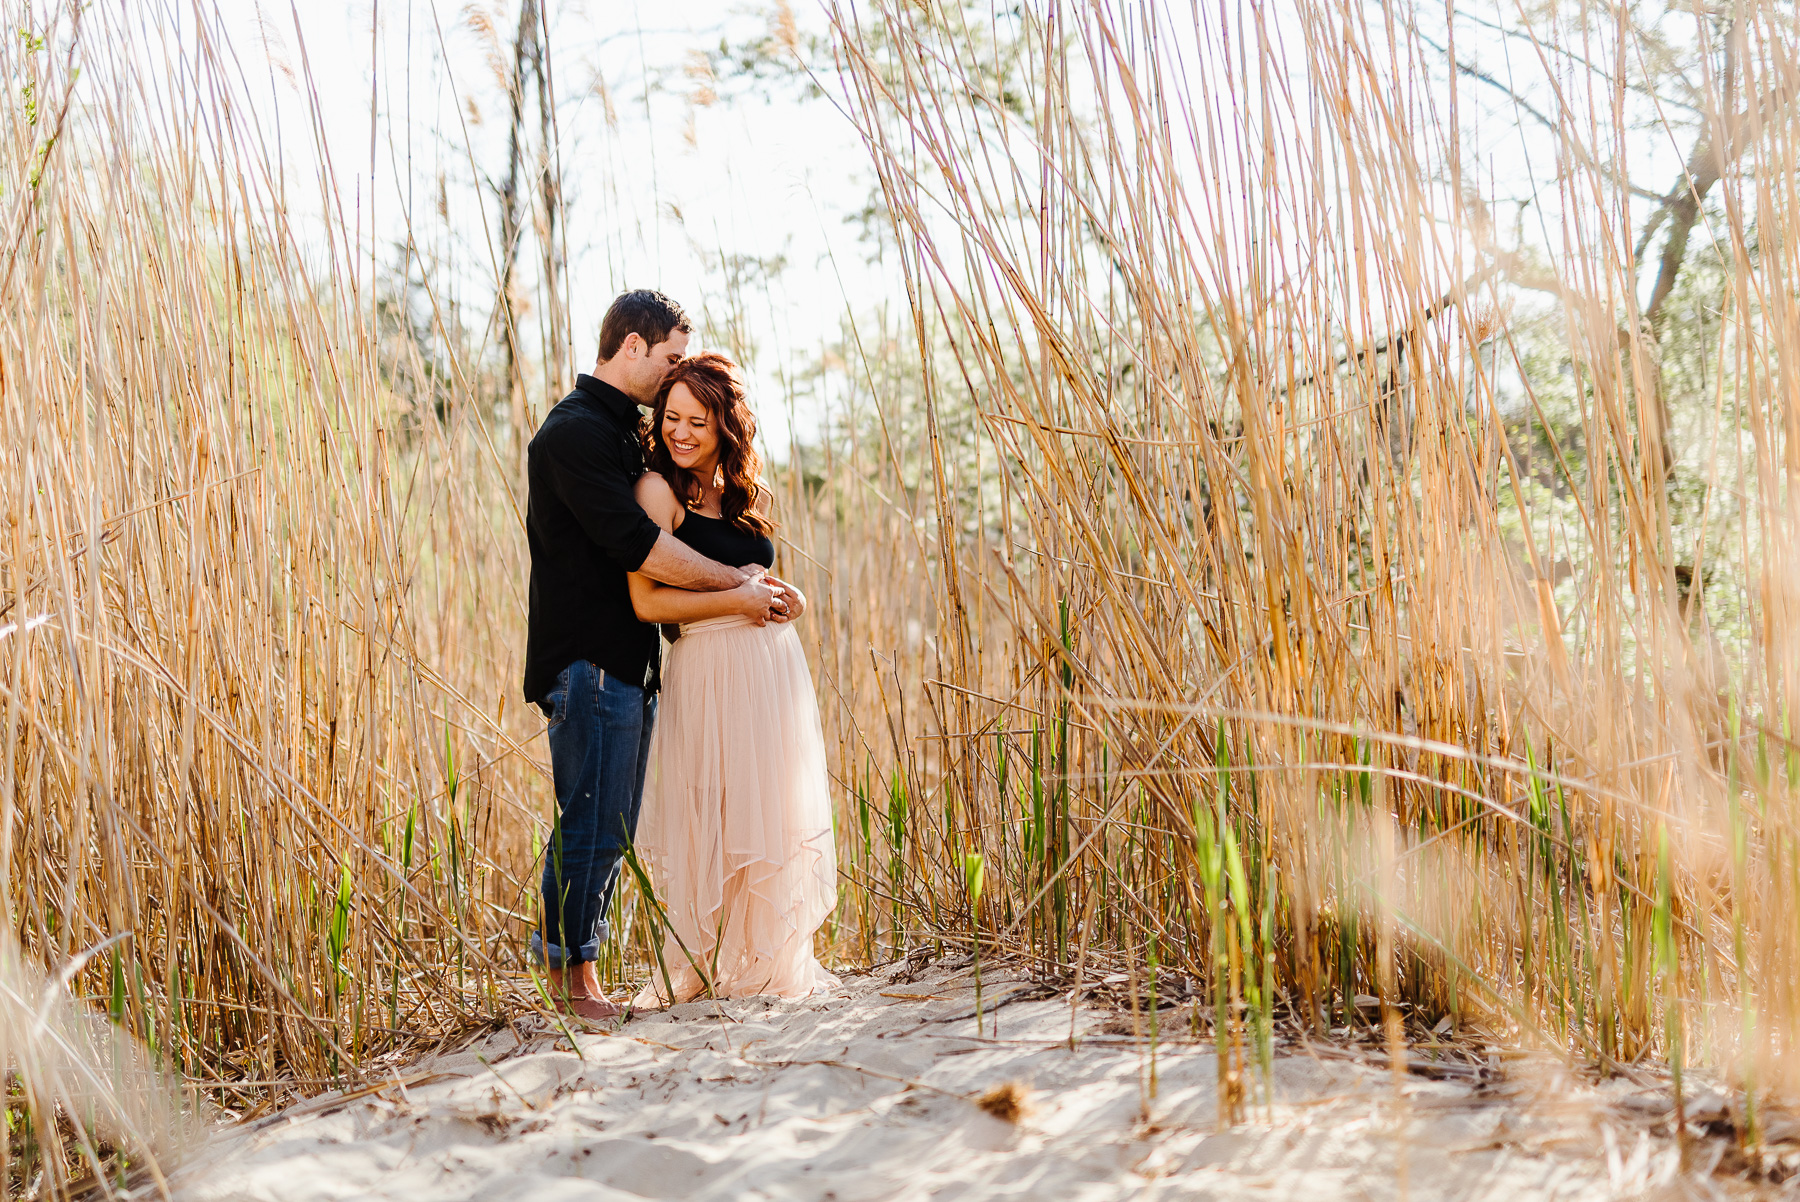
(599, 747)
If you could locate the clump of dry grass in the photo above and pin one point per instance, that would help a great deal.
(78, 1078)
(1009, 1101)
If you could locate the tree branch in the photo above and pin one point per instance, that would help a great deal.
(1705, 167)
(1526, 107)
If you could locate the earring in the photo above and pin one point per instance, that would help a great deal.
(719, 476)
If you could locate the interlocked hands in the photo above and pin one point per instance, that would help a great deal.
(764, 598)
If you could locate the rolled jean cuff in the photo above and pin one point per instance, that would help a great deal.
(550, 955)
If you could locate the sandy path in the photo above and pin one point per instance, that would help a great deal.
(736, 1101)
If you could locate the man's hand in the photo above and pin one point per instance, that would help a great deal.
(756, 598)
(790, 604)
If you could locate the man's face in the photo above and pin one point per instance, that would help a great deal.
(648, 365)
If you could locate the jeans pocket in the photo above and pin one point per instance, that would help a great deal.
(558, 700)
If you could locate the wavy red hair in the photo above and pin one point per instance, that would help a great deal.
(715, 382)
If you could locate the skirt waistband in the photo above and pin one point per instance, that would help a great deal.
(728, 622)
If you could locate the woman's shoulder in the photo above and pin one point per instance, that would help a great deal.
(657, 498)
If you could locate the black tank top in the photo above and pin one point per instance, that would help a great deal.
(719, 540)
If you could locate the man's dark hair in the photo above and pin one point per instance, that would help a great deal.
(644, 312)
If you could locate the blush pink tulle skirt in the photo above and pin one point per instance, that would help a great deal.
(736, 824)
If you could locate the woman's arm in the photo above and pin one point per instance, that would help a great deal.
(658, 602)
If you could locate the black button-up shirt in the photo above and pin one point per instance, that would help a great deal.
(587, 532)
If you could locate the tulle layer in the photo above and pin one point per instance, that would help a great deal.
(736, 825)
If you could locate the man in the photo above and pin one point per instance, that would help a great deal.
(590, 665)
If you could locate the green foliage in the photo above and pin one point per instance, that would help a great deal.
(338, 937)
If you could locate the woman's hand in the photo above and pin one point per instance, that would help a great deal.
(789, 604)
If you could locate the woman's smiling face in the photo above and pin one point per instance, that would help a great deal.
(689, 433)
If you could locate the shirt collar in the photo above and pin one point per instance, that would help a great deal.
(600, 393)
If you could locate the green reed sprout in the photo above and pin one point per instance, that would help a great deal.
(974, 874)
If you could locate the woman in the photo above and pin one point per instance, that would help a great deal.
(737, 814)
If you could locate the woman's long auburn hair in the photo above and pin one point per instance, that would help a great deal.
(715, 383)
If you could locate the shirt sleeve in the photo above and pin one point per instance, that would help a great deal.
(588, 473)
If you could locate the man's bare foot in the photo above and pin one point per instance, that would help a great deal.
(592, 1010)
(577, 991)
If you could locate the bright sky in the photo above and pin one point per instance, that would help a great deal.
(659, 183)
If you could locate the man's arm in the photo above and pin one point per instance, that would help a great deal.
(674, 562)
(593, 481)
(586, 469)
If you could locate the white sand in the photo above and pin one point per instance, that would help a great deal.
(848, 1099)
